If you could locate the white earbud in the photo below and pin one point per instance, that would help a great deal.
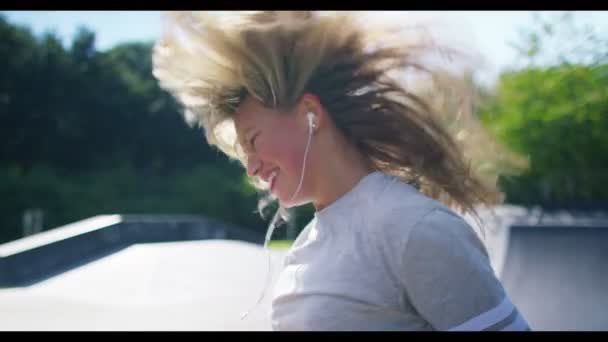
(311, 120)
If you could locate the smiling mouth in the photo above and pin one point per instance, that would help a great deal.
(271, 179)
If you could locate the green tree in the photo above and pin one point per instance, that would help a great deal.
(555, 113)
(84, 132)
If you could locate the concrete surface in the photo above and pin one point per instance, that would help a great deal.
(47, 254)
(558, 276)
(194, 285)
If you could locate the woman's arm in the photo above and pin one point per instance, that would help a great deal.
(448, 278)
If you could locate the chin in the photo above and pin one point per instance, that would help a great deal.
(284, 202)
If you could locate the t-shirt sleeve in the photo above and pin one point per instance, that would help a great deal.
(449, 280)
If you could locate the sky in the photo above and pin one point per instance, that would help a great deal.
(489, 32)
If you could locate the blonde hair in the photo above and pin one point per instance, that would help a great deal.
(410, 118)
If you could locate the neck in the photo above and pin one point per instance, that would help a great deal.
(342, 168)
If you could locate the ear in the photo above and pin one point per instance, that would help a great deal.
(309, 103)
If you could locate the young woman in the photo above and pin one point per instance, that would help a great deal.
(351, 116)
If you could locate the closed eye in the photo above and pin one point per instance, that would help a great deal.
(252, 141)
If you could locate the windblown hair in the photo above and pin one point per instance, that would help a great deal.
(410, 118)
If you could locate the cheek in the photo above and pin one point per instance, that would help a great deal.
(283, 152)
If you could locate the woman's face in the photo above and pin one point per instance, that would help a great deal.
(274, 144)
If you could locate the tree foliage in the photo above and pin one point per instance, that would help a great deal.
(556, 115)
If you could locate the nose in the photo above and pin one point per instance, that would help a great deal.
(253, 166)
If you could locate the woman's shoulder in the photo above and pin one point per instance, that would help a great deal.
(398, 202)
(401, 212)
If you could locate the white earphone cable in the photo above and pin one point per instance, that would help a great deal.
(272, 226)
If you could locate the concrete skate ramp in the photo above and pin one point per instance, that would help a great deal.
(41, 256)
(187, 285)
(558, 276)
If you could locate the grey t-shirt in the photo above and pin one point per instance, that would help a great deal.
(386, 257)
